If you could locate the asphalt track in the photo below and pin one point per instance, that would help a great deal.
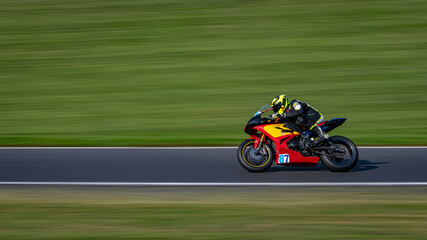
(197, 167)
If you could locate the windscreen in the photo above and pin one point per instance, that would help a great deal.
(263, 109)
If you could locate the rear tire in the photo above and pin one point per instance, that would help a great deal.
(251, 161)
(341, 162)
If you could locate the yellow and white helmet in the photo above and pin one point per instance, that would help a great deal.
(280, 104)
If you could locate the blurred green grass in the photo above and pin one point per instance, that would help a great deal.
(284, 213)
(168, 72)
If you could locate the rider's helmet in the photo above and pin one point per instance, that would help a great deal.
(280, 104)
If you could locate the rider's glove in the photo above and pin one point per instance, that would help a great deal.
(279, 115)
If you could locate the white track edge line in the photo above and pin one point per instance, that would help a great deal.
(115, 148)
(223, 184)
(179, 148)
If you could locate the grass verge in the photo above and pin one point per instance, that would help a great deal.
(171, 72)
(213, 213)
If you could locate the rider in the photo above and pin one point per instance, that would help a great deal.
(300, 113)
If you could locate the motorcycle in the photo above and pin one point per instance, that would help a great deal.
(290, 145)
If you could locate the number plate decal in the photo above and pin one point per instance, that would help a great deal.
(283, 158)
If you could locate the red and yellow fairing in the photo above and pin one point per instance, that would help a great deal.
(277, 130)
(280, 135)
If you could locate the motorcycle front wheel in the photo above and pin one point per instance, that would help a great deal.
(252, 160)
(341, 161)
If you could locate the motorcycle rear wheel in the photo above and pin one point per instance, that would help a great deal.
(341, 162)
(253, 161)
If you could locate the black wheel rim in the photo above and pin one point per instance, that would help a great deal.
(342, 158)
(255, 159)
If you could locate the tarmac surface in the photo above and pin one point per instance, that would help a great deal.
(198, 165)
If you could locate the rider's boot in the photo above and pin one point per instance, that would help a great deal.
(320, 134)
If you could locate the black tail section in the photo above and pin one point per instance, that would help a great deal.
(332, 124)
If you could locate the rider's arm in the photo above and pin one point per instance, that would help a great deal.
(292, 113)
(295, 111)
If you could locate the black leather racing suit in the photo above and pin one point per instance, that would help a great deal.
(304, 115)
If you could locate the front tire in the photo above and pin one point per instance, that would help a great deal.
(341, 162)
(252, 161)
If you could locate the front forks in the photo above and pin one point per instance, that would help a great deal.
(258, 145)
